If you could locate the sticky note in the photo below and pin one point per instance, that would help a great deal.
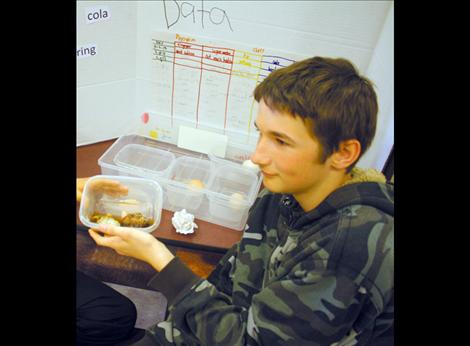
(97, 14)
(153, 134)
(202, 141)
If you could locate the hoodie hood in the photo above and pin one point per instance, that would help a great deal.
(366, 187)
(361, 175)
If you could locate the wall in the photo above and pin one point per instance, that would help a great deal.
(381, 72)
(106, 80)
(361, 31)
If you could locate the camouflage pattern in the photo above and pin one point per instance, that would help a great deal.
(323, 277)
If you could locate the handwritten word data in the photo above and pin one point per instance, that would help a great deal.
(178, 10)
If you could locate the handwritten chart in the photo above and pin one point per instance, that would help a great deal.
(210, 85)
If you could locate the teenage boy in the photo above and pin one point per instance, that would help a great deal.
(315, 264)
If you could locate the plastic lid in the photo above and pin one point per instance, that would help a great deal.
(144, 159)
(228, 180)
(236, 155)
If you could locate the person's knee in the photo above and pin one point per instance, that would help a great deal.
(106, 319)
(126, 313)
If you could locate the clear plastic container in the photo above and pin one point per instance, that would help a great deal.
(144, 197)
(146, 161)
(189, 177)
(215, 202)
(235, 189)
(235, 156)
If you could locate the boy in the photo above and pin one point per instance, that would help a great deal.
(315, 264)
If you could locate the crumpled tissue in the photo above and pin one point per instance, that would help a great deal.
(183, 222)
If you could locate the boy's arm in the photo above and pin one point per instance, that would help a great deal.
(312, 303)
(310, 308)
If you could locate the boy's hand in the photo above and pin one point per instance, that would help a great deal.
(80, 185)
(134, 243)
(110, 187)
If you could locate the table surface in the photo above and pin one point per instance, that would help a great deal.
(207, 237)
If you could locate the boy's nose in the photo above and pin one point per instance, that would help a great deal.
(260, 156)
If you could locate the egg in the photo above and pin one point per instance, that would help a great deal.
(196, 183)
(250, 165)
(237, 200)
(107, 220)
(129, 201)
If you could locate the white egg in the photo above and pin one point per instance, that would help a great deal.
(249, 164)
(237, 200)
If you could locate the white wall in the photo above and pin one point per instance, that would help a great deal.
(106, 81)
(381, 72)
(332, 28)
(361, 31)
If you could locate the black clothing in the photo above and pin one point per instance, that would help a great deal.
(104, 316)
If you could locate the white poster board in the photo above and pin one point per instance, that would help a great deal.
(121, 90)
(206, 84)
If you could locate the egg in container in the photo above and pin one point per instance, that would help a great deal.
(189, 176)
(140, 208)
(233, 189)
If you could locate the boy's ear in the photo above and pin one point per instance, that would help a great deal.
(347, 154)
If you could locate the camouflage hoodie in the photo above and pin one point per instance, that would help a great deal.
(323, 277)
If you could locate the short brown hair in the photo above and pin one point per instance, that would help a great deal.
(341, 103)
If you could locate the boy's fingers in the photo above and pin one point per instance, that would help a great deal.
(102, 182)
(105, 240)
(115, 192)
(111, 230)
(106, 184)
(118, 187)
(108, 229)
(96, 237)
(85, 201)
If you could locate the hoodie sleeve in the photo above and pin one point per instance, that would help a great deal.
(310, 305)
(314, 301)
(176, 278)
(307, 308)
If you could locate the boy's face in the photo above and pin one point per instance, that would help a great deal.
(287, 153)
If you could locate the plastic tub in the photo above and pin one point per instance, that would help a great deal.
(189, 177)
(144, 161)
(233, 190)
(235, 156)
(144, 196)
(174, 183)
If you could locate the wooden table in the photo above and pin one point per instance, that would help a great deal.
(200, 251)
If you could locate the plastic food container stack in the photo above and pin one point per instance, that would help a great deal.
(232, 188)
(213, 189)
(144, 161)
(189, 176)
(141, 208)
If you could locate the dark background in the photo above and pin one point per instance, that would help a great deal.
(38, 166)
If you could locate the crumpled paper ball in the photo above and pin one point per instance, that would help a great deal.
(183, 222)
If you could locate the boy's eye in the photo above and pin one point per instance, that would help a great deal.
(280, 141)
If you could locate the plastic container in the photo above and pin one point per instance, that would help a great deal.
(144, 196)
(189, 177)
(235, 189)
(235, 155)
(144, 161)
(215, 202)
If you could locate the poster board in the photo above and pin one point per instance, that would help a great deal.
(204, 83)
(117, 82)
